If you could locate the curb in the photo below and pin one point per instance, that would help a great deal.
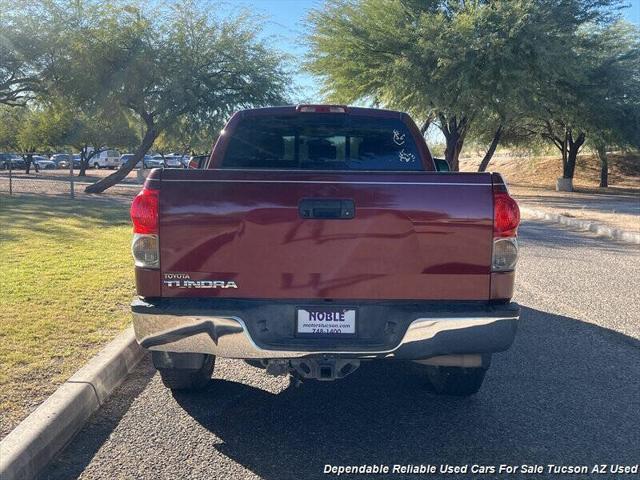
(589, 225)
(28, 449)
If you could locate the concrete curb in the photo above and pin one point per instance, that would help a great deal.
(28, 449)
(589, 225)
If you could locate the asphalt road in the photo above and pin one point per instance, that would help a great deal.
(567, 393)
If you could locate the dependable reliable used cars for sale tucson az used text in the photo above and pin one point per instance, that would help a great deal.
(317, 237)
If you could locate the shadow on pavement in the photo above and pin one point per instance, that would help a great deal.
(567, 392)
(562, 395)
(97, 430)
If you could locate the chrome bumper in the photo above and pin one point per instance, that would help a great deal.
(228, 336)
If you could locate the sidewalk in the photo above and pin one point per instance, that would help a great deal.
(617, 211)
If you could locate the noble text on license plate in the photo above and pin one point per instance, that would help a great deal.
(326, 321)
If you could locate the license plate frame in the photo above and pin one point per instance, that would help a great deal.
(326, 309)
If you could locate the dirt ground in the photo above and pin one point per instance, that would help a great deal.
(92, 175)
(532, 181)
(624, 171)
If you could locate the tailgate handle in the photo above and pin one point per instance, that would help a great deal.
(327, 208)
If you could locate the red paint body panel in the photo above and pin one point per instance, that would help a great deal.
(414, 235)
(148, 282)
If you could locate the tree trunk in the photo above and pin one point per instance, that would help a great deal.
(425, 126)
(452, 152)
(492, 148)
(83, 162)
(454, 132)
(604, 165)
(149, 137)
(572, 154)
(89, 156)
(563, 145)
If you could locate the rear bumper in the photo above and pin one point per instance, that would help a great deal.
(264, 329)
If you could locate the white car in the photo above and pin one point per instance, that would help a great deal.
(43, 163)
(152, 161)
(170, 161)
(173, 161)
(106, 159)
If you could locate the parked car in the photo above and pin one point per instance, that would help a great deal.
(62, 160)
(173, 161)
(124, 158)
(153, 161)
(320, 237)
(77, 160)
(106, 159)
(43, 162)
(11, 161)
(178, 157)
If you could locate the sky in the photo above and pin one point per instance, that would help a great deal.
(284, 24)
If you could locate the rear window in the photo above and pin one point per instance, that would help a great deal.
(322, 142)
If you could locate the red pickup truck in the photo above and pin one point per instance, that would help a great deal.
(317, 237)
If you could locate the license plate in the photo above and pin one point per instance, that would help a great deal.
(326, 321)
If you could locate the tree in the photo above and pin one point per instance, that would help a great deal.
(169, 64)
(458, 62)
(94, 131)
(11, 119)
(187, 137)
(30, 129)
(380, 50)
(613, 112)
(44, 127)
(21, 49)
(34, 44)
(600, 103)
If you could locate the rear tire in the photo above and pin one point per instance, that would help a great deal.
(183, 379)
(456, 381)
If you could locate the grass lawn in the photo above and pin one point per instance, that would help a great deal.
(66, 281)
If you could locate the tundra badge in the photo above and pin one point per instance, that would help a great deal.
(183, 280)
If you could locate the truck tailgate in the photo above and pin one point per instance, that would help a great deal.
(414, 235)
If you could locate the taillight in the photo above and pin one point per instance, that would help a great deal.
(506, 215)
(145, 250)
(505, 254)
(506, 218)
(144, 211)
(144, 215)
